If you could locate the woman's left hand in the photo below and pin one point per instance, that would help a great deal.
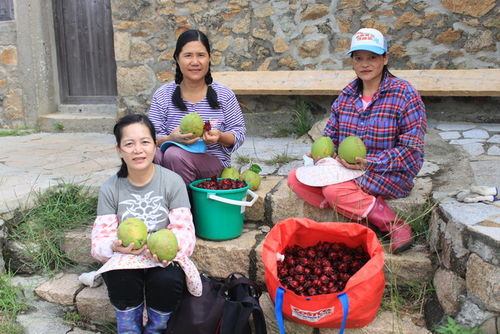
(154, 257)
(360, 163)
(211, 137)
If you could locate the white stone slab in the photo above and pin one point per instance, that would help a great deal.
(450, 135)
(476, 133)
(494, 139)
(468, 214)
(473, 149)
(455, 126)
(494, 150)
(466, 141)
(491, 127)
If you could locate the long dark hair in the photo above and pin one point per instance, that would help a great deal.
(186, 37)
(385, 72)
(118, 132)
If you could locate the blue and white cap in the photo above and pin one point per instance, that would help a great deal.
(368, 39)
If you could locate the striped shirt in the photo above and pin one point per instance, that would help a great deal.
(165, 116)
(392, 127)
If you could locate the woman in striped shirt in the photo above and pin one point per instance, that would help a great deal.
(195, 91)
(388, 114)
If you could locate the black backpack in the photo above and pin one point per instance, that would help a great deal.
(243, 301)
(224, 308)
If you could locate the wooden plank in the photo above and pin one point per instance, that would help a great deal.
(475, 82)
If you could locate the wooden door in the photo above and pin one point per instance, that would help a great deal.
(85, 51)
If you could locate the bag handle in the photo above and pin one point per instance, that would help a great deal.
(234, 202)
(278, 309)
(231, 281)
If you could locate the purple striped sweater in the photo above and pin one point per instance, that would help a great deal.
(166, 116)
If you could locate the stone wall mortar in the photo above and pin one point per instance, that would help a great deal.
(299, 35)
(468, 273)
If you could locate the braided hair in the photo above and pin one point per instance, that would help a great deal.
(186, 37)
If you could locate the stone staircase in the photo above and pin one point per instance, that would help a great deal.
(243, 254)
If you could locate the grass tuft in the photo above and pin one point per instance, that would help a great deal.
(302, 118)
(280, 159)
(453, 328)
(41, 229)
(12, 302)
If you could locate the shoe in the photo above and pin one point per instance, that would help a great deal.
(386, 220)
(129, 321)
(157, 321)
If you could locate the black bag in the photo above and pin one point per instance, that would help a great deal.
(243, 301)
(223, 308)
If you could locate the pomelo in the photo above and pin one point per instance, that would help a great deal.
(252, 178)
(164, 244)
(230, 173)
(352, 147)
(192, 123)
(322, 147)
(133, 230)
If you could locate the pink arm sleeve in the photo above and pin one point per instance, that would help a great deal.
(103, 235)
(181, 223)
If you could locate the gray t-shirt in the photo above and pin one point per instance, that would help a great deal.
(150, 203)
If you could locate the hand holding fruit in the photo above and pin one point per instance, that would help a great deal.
(182, 138)
(211, 136)
(117, 246)
(360, 163)
(154, 257)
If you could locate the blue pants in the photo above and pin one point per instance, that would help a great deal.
(162, 288)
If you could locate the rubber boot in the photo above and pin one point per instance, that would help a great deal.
(129, 321)
(386, 220)
(157, 321)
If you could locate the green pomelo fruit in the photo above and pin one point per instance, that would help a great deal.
(133, 230)
(322, 147)
(192, 123)
(352, 147)
(164, 244)
(252, 178)
(230, 173)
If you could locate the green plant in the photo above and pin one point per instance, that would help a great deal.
(282, 158)
(453, 328)
(58, 126)
(11, 298)
(302, 117)
(243, 159)
(15, 132)
(9, 326)
(12, 302)
(282, 132)
(41, 229)
(419, 220)
(73, 318)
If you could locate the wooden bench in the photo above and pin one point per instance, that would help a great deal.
(476, 82)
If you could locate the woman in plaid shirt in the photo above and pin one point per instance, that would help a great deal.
(388, 114)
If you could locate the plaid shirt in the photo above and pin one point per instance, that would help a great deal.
(392, 127)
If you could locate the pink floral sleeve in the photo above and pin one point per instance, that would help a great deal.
(103, 235)
(181, 223)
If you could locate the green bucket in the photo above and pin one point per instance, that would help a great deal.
(218, 214)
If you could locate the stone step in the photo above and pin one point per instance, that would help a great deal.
(93, 306)
(75, 122)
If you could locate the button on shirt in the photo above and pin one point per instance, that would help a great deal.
(392, 128)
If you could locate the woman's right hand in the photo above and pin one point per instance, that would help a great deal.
(182, 138)
(118, 247)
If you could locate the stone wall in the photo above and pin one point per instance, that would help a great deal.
(297, 35)
(11, 92)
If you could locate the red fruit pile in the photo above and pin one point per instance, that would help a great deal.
(207, 126)
(221, 184)
(320, 269)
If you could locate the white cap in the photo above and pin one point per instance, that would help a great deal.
(368, 39)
